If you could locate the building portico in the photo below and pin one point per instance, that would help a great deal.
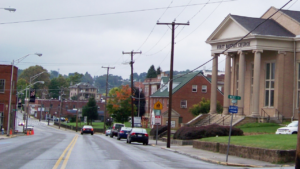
(262, 68)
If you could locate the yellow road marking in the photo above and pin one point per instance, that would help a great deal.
(68, 155)
(63, 154)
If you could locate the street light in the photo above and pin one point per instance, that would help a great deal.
(10, 9)
(11, 81)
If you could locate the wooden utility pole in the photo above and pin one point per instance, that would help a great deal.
(131, 63)
(106, 95)
(171, 78)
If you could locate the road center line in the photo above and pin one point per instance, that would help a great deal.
(63, 154)
(68, 155)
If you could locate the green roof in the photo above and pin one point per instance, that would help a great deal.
(165, 79)
(179, 80)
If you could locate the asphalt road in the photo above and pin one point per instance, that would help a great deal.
(53, 148)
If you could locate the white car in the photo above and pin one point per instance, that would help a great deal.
(107, 132)
(291, 128)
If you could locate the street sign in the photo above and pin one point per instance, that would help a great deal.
(233, 101)
(233, 109)
(234, 97)
(157, 106)
(157, 120)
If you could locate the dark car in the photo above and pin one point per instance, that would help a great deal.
(123, 132)
(115, 129)
(139, 135)
(87, 129)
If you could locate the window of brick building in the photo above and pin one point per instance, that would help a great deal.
(194, 88)
(2, 85)
(183, 104)
(204, 89)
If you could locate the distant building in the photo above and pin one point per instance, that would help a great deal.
(5, 79)
(83, 91)
(150, 86)
(187, 91)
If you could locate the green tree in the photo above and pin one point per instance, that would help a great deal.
(32, 71)
(90, 110)
(158, 71)
(21, 86)
(56, 84)
(53, 74)
(74, 78)
(119, 104)
(87, 78)
(151, 72)
(203, 107)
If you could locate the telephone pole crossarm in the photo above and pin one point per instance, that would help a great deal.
(106, 95)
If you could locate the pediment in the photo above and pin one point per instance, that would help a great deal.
(229, 28)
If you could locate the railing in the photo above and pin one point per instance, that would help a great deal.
(223, 119)
(264, 114)
(277, 113)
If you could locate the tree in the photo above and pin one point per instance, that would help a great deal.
(21, 85)
(32, 71)
(119, 104)
(158, 71)
(53, 74)
(151, 72)
(203, 107)
(90, 110)
(87, 78)
(56, 84)
(74, 78)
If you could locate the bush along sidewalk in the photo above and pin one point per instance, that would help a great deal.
(189, 133)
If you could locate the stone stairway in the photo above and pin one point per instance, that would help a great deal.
(223, 120)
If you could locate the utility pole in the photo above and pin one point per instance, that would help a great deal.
(131, 63)
(171, 78)
(139, 97)
(77, 99)
(106, 95)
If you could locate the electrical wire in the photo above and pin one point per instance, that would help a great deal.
(104, 14)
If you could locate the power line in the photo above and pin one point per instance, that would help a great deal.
(104, 14)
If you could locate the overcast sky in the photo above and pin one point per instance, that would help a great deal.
(100, 30)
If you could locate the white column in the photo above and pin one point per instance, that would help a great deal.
(241, 86)
(256, 82)
(227, 84)
(214, 82)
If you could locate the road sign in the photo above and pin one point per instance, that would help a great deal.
(234, 97)
(157, 106)
(157, 120)
(233, 101)
(233, 109)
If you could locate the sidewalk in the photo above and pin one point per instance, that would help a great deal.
(216, 158)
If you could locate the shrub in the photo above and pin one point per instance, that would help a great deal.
(188, 133)
(161, 129)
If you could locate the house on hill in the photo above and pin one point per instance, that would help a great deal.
(187, 90)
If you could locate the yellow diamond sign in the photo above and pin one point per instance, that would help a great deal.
(157, 105)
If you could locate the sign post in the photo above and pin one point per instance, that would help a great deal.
(232, 109)
(157, 116)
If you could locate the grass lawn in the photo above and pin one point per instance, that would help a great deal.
(267, 141)
(259, 128)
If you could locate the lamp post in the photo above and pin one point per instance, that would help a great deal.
(11, 81)
(42, 82)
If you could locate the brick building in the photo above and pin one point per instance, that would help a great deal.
(150, 86)
(187, 91)
(51, 108)
(5, 79)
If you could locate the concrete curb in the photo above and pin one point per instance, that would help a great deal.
(222, 163)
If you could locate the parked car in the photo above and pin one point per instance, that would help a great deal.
(138, 135)
(107, 132)
(115, 129)
(87, 129)
(291, 128)
(123, 132)
(29, 128)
